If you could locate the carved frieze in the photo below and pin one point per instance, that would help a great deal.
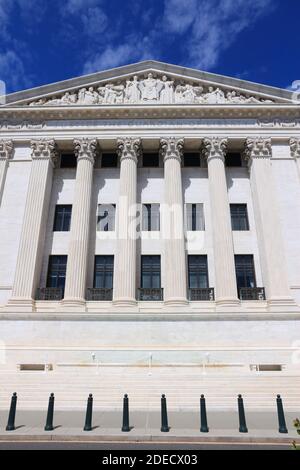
(149, 89)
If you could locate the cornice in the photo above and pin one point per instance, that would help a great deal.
(271, 112)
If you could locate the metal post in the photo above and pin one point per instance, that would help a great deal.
(281, 418)
(12, 413)
(203, 415)
(125, 426)
(89, 414)
(164, 415)
(242, 418)
(50, 413)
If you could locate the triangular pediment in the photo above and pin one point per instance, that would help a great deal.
(149, 82)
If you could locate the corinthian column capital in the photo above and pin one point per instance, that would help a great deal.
(85, 149)
(258, 147)
(44, 149)
(214, 147)
(129, 148)
(171, 148)
(6, 149)
(295, 147)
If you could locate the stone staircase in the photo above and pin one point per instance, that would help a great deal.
(182, 386)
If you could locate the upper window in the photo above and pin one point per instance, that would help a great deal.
(194, 217)
(239, 217)
(150, 218)
(233, 159)
(62, 218)
(68, 160)
(150, 160)
(106, 217)
(109, 160)
(191, 159)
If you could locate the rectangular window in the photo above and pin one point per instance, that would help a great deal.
(150, 218)
(150, 272)
(109, 160)
(104, 272)
(194, 217)
(57, 271)
(150, 160)
(239, 217)
(68, 160)
(233, 159)
(62, 218)
(198, 272)
(191, 160)
(245, 272)
(106, 217)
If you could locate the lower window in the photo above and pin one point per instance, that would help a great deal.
(198, 272)
(104, 270)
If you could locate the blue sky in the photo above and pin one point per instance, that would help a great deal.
(44, 41)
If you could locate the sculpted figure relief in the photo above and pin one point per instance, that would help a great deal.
(149, 89)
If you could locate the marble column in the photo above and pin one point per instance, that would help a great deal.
(29, 261)
(258, 151)
(6, 151)
(75, 288)
(295, 152)
(175, 287)
(129, 150)
(214, 149)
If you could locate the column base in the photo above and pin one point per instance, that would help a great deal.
(176, 302)
(74, 305)
(228, 303)
(20, 305)
(125, 303)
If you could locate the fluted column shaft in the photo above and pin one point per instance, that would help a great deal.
(214, 150)
(6, 150)
(125, 263)
(75, 287)
(32, 239)
(175, 288)
(258, 152)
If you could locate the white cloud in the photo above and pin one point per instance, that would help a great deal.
(212, 25)
(112, 57)
(133, 49)
(179, 14)
(12, 70)
(94, 21)
(74, 6)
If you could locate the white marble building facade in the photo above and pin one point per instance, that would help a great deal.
(168, 112)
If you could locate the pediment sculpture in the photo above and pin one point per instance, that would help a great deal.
(152, 90)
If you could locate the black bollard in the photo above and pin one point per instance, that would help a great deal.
(281, 418)
(242, 418)
(89, 414)
(12, 413)
(204, 427)
(125, 426)
(164, 415)
(50, 413)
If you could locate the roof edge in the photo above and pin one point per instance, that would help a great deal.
(146, 65)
